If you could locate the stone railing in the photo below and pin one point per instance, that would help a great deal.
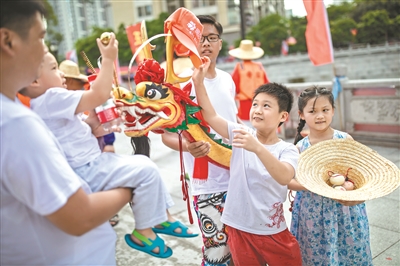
(363, 62)
(368, 109)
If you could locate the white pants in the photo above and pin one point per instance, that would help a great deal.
(150, 197)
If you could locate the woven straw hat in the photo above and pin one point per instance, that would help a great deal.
(71, 70)
(247, 51)
(373, 175)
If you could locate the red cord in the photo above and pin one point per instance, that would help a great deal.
(185, 186)
(291, 200)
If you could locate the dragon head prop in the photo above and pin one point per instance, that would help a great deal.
(155, 105)
(158, 102)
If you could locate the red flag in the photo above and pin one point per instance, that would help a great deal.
(318, 34)
(135, 40)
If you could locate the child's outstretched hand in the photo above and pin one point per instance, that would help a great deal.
(200, 73)
(243, 139)
(110, 50)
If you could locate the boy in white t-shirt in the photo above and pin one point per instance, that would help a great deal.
(61, 110)
(262, 165)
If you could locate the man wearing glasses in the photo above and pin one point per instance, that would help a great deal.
(209, 196)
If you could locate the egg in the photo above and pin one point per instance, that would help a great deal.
(337, 179)
(105, 37)
(348, 185)
(339, 188)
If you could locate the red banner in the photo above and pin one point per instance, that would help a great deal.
(318, 34)
(135, 40)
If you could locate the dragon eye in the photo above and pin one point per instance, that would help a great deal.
(153, 94)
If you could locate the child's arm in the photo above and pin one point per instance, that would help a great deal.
(101, 88)
(282, 172)
(197, 149)
(294, 185)
(171, 140)
(216, 122)
(84, 212)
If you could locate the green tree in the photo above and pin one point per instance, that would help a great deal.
(124, 49)
(364, 6)
(155, 27)
(374, 27)
(341, 31)
(224, 49)
(395, 28)
(297, 27)
(342, 10)
(270, 32)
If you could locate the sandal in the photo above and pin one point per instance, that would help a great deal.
(149, 245)
(114, 220)
(169, 229)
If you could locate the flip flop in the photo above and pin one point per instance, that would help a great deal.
(169, 229)
(149, 245)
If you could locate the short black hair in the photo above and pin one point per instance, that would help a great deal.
(207, 19)
(280, 92)
(17, 15)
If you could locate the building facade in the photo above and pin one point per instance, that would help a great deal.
(76, 18)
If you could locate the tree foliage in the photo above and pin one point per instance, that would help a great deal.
(373, 21)
(297, 29)
(374, 27)
(270, 32)
(341, 32)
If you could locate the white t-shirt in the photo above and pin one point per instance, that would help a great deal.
(254, 202)
(221, 91)
(36, 181)
(57, 108)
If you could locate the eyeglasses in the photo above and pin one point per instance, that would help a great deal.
(210, 38)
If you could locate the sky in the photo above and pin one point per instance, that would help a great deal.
(297, 6)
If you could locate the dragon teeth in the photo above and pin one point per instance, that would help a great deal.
(131, 111)
(163, 115)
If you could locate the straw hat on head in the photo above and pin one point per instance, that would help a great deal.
(373, 175)
(247, 51)
(71, 70)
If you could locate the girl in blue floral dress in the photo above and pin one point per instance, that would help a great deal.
(329, 232)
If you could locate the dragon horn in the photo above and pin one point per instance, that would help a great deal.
(170, 76)
(149, 47)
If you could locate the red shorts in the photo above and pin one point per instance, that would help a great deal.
(251, 249)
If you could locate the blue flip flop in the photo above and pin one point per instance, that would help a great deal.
(149, 245)
(169, 229)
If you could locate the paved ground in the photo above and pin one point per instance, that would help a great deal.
(383, 213)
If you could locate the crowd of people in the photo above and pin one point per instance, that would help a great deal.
(60, 187)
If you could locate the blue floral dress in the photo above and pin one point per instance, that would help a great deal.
(328, 232)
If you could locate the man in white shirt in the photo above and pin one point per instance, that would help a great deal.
(48, 214)
(209, 196)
